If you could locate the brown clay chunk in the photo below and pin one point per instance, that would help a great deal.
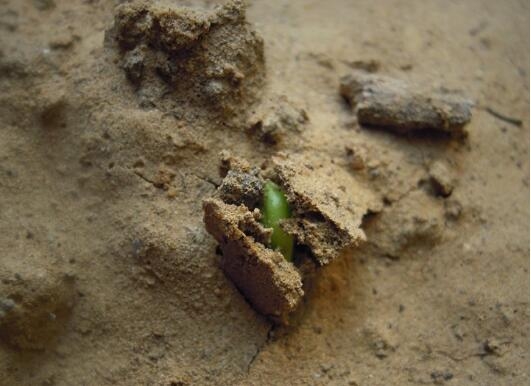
(268, 281)
(386, 102)
(324, 219)
(212, 58)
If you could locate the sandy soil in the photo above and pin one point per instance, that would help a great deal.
(108, 275)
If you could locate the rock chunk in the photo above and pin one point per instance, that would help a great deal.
(394, 104)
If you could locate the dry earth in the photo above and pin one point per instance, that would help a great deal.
(108, 276)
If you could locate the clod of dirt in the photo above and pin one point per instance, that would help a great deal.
(270, 283)
(212, 58)
(34, 309)
(240, 187)
(276, 120)
(324, 217)
(442, 179)
(453, 209)
(402, 107)
(324, 223)
(416, 221)
(356, 157)
(241, 183)
(230, 162)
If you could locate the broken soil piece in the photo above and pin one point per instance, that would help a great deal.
(442, 179)
(276, 120)
(401, 107)
(453, 209)
(324, 222)
(268, 281)
(241, 188)
(228, 162)
(208, 57)
(356, 158)
(324, 219)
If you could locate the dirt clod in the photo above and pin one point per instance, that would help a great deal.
(356, 158)
(268, 281)
(241, 188)
(442, 179)
(207, 58)
(394, 104)
(278, 120)
(324, 219)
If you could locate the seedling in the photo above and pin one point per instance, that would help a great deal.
(274, 208)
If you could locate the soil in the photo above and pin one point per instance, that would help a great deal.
(115, 124)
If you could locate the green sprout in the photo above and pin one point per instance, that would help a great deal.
(274, 208)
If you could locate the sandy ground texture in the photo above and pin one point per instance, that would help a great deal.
(110, 139)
